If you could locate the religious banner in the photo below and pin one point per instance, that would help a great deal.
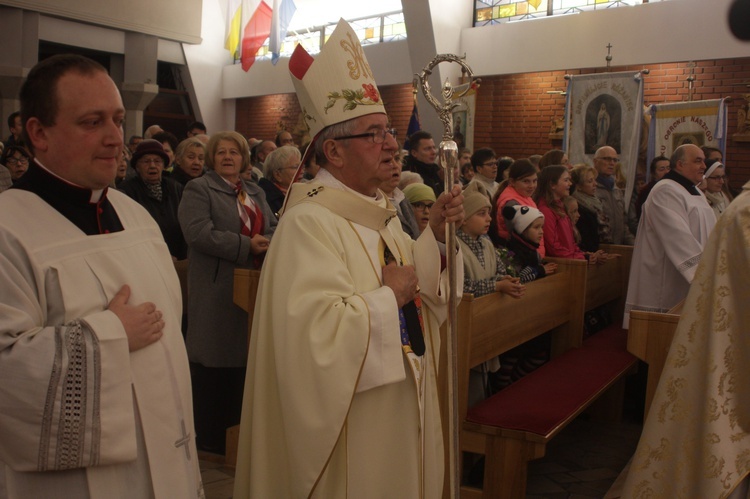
(604, 109)
(463, 115)
(703, 123)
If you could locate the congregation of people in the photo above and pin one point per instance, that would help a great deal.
(217, 199)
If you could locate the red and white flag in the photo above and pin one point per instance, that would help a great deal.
(256, 27)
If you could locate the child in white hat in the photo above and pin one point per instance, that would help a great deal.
(526, 230)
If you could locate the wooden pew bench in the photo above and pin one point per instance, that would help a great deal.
(514, 425)
(649, 338)
(245, 291)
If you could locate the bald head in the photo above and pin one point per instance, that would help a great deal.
(689, 161)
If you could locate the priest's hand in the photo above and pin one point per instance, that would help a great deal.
(448, 208)
(402, 280)
(143, 323)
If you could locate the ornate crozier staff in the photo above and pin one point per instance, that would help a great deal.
(448, 158)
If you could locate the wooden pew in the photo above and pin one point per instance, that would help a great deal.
(245, 291)
(513, 426)
(649, 338)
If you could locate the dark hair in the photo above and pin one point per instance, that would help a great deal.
(480, 156)
(198, 125)
(416, 137)
(163, 137)
(39, 92)
(502, 165)
(652, 166)
(551, 157)
(547, 178)
(277, 140)
(10, 150)
(707, 150)
(12, 119)
(520, 168)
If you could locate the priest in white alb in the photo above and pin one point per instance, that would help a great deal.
(95, 397)
(675, 224)
(341, 395)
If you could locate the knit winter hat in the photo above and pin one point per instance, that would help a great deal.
(416, 193)
(521, 217)
(149, 146)
(475, 198)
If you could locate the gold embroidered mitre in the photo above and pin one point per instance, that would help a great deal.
(337, 85)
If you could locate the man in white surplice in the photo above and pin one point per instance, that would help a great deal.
(675, 224)
(95, 397)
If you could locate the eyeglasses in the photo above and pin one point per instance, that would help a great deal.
(490, 163)
(608, 159)
(717, 177)
(377, 136)
(421, 206)
(15, 161)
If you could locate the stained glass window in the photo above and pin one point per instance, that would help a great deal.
(500, 11)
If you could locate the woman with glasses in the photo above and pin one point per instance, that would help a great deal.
(278, 174)
(16, 159)
(713, 186)
(158, 194)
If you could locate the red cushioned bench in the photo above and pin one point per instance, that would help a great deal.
(513, 426)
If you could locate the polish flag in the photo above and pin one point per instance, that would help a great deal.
(256, 27)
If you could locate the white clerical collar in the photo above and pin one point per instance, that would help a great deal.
(96, 194)
(324, 177)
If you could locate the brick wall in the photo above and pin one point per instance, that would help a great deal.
(515, 112)
(262, 117)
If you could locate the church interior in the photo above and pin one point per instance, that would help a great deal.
(169, 61)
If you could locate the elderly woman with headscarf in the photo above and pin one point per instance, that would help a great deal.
(278, 174)
(158, 194)
(228, 226)
(189, 159)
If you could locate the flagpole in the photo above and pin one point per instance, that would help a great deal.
(448, 158)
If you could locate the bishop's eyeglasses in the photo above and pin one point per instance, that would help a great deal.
(377, 136)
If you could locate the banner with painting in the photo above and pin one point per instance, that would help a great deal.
(463, 115)
(703, 123)
(604, 109)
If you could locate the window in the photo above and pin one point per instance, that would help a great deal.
(500, 11)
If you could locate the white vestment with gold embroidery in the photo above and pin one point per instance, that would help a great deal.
(333, 407)
(696, 439)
